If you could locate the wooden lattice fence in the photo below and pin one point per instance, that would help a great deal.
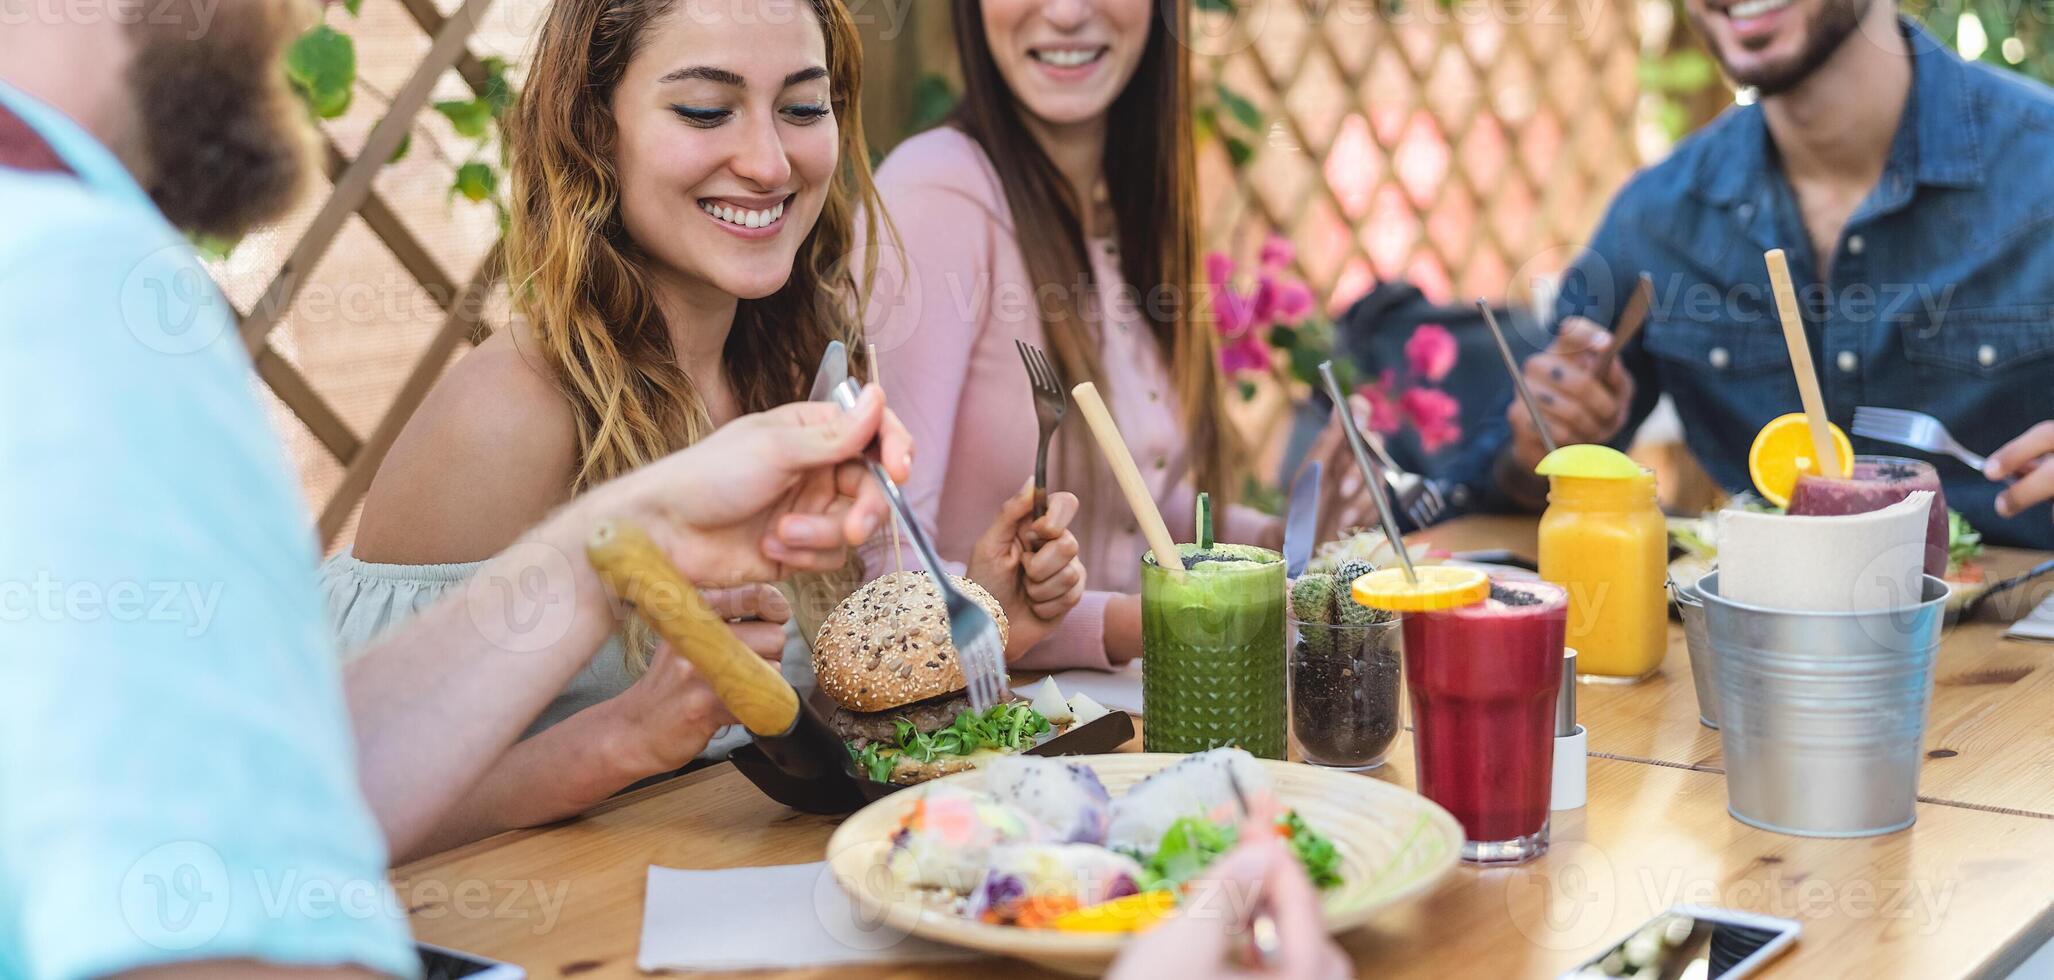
(1467, 145)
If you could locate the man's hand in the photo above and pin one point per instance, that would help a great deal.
(1578, 406)
(764, 496)
(2030, 460)
(1031, 567)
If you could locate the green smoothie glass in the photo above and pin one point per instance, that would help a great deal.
(1212, 667)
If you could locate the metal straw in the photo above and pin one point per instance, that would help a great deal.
(1370, 477)
(1518, 379)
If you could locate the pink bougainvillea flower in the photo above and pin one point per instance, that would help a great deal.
(1233, 313)
(1263, 305)
(1219, 269)
(1249, 354)
(1293, 303)
(1277, 252)
(1435, 415)
(1431, 352)
(1384, 416)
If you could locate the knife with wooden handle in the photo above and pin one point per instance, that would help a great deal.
(1631, 319)
(642, 576)
(789, 732)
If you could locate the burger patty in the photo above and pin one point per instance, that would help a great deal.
(864, 727)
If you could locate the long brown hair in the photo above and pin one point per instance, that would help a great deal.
(584, 285)
(1151, 178)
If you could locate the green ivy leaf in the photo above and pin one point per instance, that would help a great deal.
(406, 142)
(1240, 108)
(471, 118)
(499, 93)
(1684, 72)
(1205, 123)
(1216, 6)
(1239, 151)
(1283, 337)
(476, 181)
(933, 100)
(1247, 390)
(354, 7)
(213, 248)
(1305, 363)
(322, 69)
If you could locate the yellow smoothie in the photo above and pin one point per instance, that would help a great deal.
(1604, 540)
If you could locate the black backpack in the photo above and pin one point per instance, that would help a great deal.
(1371, 335)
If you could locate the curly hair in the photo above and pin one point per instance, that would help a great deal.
(585, 287)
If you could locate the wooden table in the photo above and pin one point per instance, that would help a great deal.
(1967, 891)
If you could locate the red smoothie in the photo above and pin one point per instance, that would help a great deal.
(1483, 680)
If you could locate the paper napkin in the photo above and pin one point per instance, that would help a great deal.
(784, 917)
(1850, 563)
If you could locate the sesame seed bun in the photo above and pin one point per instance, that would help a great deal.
(887, 645)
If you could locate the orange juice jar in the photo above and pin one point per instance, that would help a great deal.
(1603, 539)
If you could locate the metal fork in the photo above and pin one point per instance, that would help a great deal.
(979, 649)
(1051, 403)
(1419, 497)
(1914, 429)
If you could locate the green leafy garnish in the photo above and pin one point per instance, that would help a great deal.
(1321, 859)
(1192, 844)
(1006, 727)
(1963, 542)
(872, 760)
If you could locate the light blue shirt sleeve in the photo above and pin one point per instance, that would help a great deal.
(177, 779)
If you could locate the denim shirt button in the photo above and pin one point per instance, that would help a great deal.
(1719, 357)
(1746, 211)
(1848, 361)
(1855, 244)
(1986, 355)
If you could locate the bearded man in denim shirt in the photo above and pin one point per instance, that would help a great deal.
(1914, 194)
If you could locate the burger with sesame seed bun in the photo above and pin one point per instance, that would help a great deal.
(885, 658)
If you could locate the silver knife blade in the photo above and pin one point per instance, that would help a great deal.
(1302, 520)
(834, 367)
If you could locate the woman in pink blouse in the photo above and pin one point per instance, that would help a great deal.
(1056, 207)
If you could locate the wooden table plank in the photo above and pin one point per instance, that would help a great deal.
(1961, 894)
(1990, 734)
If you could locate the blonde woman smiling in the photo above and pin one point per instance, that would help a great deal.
(687, 179)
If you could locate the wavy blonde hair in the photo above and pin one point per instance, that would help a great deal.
(584, 285)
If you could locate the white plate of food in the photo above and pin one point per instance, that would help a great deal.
(1058, 861)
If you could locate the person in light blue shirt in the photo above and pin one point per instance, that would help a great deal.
(187, 784)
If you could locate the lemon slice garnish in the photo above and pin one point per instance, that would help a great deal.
(1439, 587)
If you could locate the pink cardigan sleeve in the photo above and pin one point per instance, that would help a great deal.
(947, 260)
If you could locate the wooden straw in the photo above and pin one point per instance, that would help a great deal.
(1826, 461)
(1631, 320)
(898, 554)
(1129, 476)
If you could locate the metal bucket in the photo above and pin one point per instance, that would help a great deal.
(1703, 675)
(1823, 715)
